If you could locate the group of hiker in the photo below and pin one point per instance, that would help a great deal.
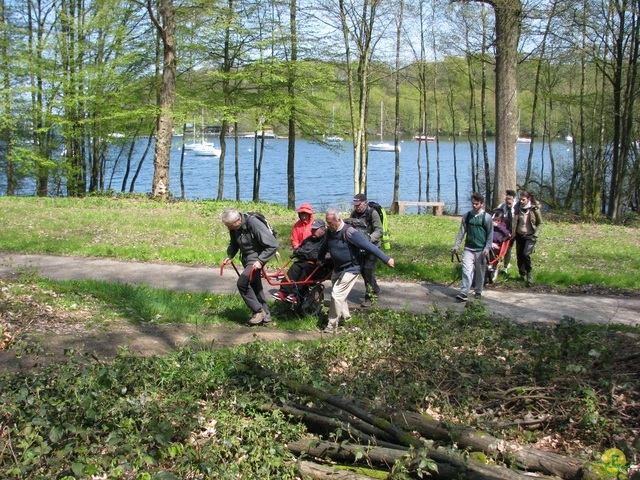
(513, 221)
(342, 249)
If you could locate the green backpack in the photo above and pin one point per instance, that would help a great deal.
(386, 235)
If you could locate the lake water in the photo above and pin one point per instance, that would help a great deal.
(323, 177)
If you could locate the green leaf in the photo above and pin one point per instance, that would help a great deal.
(78, 469)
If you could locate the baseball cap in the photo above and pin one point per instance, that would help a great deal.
(359, 198)
(317, 223)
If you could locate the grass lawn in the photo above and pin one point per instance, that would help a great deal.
(569, 253)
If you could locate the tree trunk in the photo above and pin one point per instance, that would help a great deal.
(435, 107)
(449, 465)
(468, 438)
(508, 16)
(483, 100)
(223, 155)
(236, 157)
(396, 129)
(291, 150)
(310, 470)
(7, 129)
(166, 98)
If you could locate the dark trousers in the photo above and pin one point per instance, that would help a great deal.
(524, 249)
(298, 272)
(369, 275)
(507, 256)
(251, 290)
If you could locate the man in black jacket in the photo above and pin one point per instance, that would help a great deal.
(372, 226)
(257, 245)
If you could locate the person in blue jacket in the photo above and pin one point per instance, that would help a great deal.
(345, 246)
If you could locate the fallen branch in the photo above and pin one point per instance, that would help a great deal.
(402, 437)
(509, 452)
(314, 420)
(450, 466)
(320, 472)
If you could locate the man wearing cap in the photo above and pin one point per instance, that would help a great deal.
(302, 228)
(373, 227)
(306, 257)
(508, 209)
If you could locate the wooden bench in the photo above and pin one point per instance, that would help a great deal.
(401, 207)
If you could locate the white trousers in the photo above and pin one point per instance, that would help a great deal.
(342, 283)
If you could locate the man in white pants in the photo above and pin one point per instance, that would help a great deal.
(344, 244)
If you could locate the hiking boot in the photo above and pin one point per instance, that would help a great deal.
(267, 319)
(529, 279)
(366, 303)
(461, 297)
(279, 296)
(478, 296)
(505, 270)
(257, 318)
(332, 327)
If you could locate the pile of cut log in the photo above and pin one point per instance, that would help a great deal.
(423, 447)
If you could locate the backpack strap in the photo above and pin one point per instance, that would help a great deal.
(343, 235)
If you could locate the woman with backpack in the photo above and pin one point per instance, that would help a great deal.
(526, 228)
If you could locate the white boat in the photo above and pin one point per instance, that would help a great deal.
(205, 149)
(202, 148)
(425, 138)
(333, 138)
(382, 146)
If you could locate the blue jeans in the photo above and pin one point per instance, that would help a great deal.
(474, 265)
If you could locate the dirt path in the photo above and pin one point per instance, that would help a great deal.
(529, 306)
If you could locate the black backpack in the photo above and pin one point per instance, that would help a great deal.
(357, 254)
(263, 219)
(360, 225)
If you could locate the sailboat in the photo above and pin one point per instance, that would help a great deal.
(522, 139)
(333, 138)
(203, 148)
(382, 146)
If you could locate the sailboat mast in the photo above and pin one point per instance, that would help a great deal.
(381, 120)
